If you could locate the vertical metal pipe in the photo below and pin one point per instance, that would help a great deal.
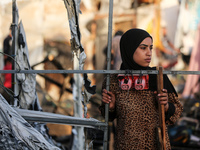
(110, 19)
(14, 46)
(78, 141)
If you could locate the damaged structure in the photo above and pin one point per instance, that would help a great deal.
(24, 122)
(16, 131)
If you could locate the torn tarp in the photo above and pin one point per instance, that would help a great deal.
(73, 12)
(87, 93)
(27, 82)
(17, 134)
(27, 96)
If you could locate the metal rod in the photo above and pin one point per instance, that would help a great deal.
(14, 46)
(101, 71)
(46, 117)
(110, 19)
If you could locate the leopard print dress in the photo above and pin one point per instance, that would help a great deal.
(137, 117)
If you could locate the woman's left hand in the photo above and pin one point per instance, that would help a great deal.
(163, 98)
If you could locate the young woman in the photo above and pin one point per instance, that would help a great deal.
(137, 110)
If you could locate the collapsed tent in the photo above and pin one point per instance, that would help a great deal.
(17, 133)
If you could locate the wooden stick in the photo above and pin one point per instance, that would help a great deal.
(161, 107)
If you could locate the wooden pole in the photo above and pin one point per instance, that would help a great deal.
(161, 108)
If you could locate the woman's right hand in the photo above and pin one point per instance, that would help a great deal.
(108, 98)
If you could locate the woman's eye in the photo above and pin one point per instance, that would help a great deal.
(143, 47)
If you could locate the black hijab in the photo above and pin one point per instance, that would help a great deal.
(129, 42)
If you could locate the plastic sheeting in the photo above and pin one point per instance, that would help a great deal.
(27, 82)
(27, 96)
(73, 11)
(16, 133)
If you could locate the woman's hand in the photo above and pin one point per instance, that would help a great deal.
(108, 98)
(163, 98)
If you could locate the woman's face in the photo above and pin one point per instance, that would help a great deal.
(142, 55)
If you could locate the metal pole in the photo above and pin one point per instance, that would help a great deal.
(100, 72)
(14, 47)
(110, 19)
(78, 131)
